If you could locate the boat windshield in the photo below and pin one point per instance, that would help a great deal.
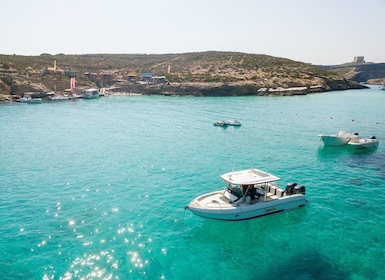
(235, 190)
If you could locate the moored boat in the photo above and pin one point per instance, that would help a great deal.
(227, 123)
(340, 139)
(59, 97)
(364, 143)
(233, 122)
(30, 100)
(382, 86)
(91, 93)
(220, 123)
(248, 194)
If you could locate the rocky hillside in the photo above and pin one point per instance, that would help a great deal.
(203, 73)
(372, 73)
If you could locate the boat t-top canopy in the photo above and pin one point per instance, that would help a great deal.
(249, 177)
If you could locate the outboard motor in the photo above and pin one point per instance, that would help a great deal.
(290, 187)
(299, 189)
(373, 137)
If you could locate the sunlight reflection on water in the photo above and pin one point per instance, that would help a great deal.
(100, 192)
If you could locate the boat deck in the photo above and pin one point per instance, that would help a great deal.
(219, 200)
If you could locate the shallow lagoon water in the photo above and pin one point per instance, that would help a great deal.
(96, 189)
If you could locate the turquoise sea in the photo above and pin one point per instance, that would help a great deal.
(96, 189)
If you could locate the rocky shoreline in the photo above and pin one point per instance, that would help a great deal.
(234, 89)
(208, 89)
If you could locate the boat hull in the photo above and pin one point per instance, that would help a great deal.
(334, 140)
(88, 96)
(31, 100)
(233, 123)
(244, 211)
(364, 145)
(91, 94)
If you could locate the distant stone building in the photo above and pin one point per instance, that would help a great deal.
(359, 59)
(131, 78)
(146, 77)
(159, 80)
(91, 75)
(107, 76)
(151, 78)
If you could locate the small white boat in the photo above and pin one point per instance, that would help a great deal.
(220, 123)
(364, 143)
(340, 139)
(233, 123)
(59, 98)
(30, 100)
(91, 93)
(248, 194)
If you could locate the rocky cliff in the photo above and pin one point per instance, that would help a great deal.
(360, 72)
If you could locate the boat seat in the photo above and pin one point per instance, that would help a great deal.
(279, 192)
(273, 189)
(271, 196)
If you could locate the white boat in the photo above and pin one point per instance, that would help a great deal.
(59, 98)
(233, 123)
(30, 100)
(340, 139)
(91, 93)
(364, 143)
(248, 194)
(220, 123)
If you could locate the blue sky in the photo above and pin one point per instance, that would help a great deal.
(317, 32)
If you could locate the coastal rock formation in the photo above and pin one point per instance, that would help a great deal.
(5, 88)
(363, 72)
(234, 89)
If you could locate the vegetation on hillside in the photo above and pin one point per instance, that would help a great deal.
(230, 68)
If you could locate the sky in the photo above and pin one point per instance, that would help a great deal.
(323, 32)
